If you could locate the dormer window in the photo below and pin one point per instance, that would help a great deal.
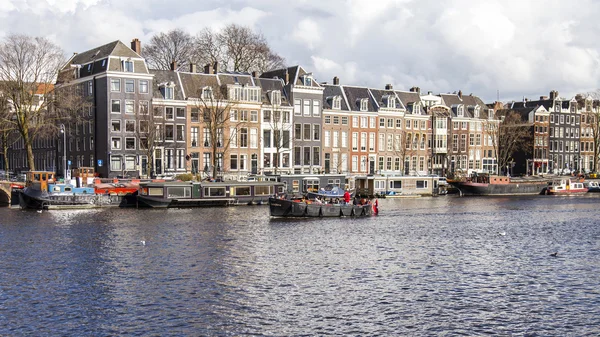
(476, 112)
(337, 102)
(128, 66)
(168, 90)
(207, 93)
(460, 112)
(307, 81)
(573, 107)
(557, 106)
(276, 97)
(364, 104)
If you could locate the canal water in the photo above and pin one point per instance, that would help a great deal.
(526, 266)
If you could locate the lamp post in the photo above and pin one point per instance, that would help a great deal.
(64, 133)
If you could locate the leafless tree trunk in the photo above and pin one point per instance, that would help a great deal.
(28, 69)
(511, 136)
(164, 48)
(149, 134)
(279, 123)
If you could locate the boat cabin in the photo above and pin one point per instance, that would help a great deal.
(39, 179)
(302, 183)
(397, 185)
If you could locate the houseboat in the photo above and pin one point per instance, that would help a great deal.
(42, 191)
(484, 184)
(397, 186)
(566, 186)
(202, 194)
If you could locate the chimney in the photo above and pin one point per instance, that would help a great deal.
(287, 77)
(173, 65)
(553, 94)
(216, 67)
(389, 87)
(136, 46)
(416, 89)
(460, 93)
(208, 69)
(255, 74)
(192, 67)
(430, 93)
(336, 80)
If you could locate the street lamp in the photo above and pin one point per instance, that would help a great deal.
(64, 133)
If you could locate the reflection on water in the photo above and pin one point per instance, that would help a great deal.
(427, 266)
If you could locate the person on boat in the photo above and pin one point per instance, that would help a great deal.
(347, 197)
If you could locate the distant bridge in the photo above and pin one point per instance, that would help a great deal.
(5, 191)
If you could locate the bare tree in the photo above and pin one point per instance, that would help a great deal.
(215, 109)
(509, 137)
(164, 48)
(7, 130)
(149, 134)
(237, 48)
(28, 69)
(404, 148)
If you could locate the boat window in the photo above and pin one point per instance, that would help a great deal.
(214, 191)
(262, 190)
(421, 183)
(56, 189)
(240, 190)
(295, 185)
(156, 191)
(68, 189)
(312, 185)
(396, 184)
(179, 192)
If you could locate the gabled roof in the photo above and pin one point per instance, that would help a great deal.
(115, 48)
(235, 78)
(164, 76)
(409, 98)
(193, 83)
(356, 94)
(329, 92)
(380, 96)
(295, 73)
(268, 85)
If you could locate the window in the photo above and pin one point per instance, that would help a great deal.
(129, 107)
(335, 139)
(169, 92)
(316, 108)
(169, 132)
(364, 104)
(354, 141)
(267, 116)
(115, 163)
(128, 66)
(143, 86)
(344, 120)
(180, 112)
(267, 138)
(244, 137)
(306, 131)
(129, 143)
(129, 85)
(233, 161)
(306, 110)
(372, 141)
(327, 119)
(115, 84)
(169, 113)
(297, 107)
(306, 160)
(144, 107)
(207, 93)
(337, 102)
(129, 126)
(326, 136)
(316, 132)
(382, 122)
(115, 143)
(363, 141)
(316, 155)
(180, 132)
(372, 122)
(276, 97)
(194, 136)
(254, 116)
(116, 125)
(90, 88)
(298, 131)
(243, 116)
(286, 116)
(254, 138)
(195, 115)
(115, 106)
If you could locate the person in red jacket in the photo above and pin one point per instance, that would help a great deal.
(347, 197)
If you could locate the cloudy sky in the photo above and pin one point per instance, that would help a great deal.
(514, 47)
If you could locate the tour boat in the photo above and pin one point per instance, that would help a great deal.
(483, 184)
(566, 186)
(281, 207)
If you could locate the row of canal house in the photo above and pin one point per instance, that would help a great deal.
(562, 136)
(282, 121)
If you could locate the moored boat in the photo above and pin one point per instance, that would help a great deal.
(566, 186)
(201, 194)
(592, 186)
(302, 208)
(484, 184)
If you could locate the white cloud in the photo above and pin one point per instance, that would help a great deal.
(520, 48)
